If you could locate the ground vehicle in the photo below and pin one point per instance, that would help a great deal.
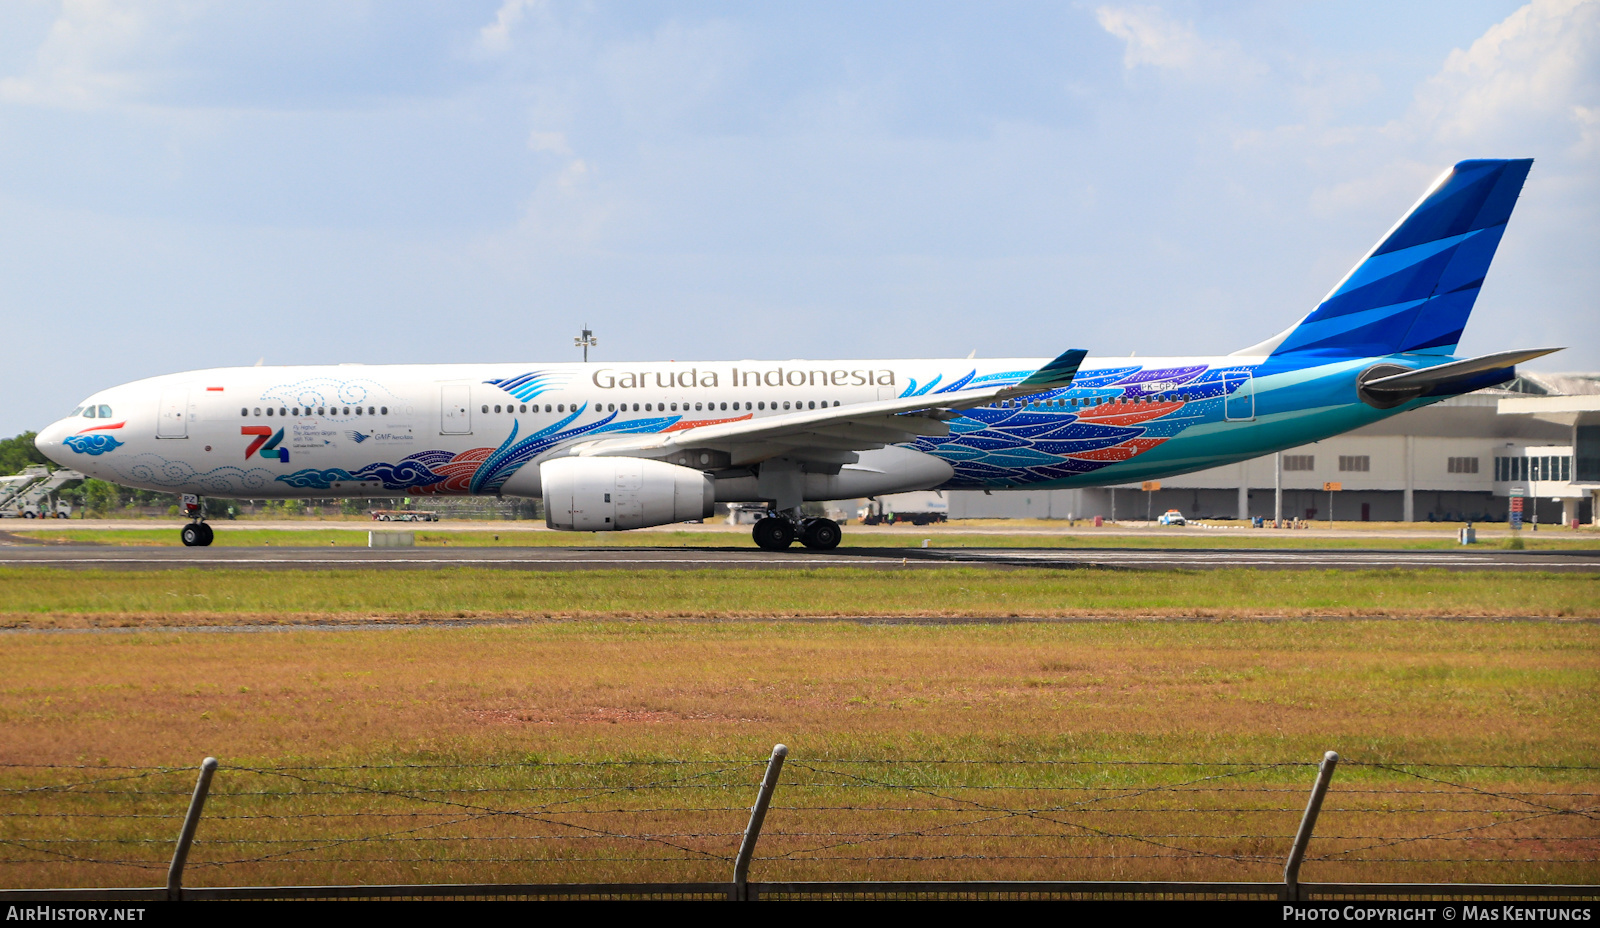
(403, 515)
(61, 510)
(28, 495)
(1172, 517)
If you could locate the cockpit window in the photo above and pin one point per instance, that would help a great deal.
(75, 412)
(88, 412)
(105, 411)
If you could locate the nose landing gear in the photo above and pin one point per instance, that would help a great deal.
(197, 534)
(778, 532)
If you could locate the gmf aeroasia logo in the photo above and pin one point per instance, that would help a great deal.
(267, 446)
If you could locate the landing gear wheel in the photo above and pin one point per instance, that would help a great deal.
(820, 534)
(205, 534)
(196, 535)
(773, 534)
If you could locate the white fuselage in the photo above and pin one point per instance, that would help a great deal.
(375, 430)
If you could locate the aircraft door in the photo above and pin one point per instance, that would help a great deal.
(1239, 403)
(172, 420)
(455, 409)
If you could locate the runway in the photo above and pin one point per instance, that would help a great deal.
(678, 558)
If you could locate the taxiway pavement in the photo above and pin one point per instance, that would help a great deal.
(677, 558)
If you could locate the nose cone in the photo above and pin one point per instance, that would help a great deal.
(48, 441)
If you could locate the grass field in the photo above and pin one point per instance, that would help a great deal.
(611, 725)
(628, 750)
(47, 597)
(246, 535)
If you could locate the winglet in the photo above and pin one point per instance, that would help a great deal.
(1056, 374)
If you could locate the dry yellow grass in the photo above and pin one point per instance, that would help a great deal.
(541, 694)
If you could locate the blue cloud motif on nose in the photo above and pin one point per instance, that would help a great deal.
(95, 443)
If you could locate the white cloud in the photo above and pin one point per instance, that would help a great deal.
(89, 57)
(1156, 40)
(1529, 76)
(495, 38)
(553, 142)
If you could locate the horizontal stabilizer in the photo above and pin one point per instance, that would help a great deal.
(1455, 372)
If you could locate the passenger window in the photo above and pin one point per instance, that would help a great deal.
(761, 405)
(611, 407)
(347, 410)
(371, 411)
(547, 407)
(269, 410)
(635, 407)
(245, 411)
(358, 410)
(812, 405)
(697, 407)
(496, 408)
(562, 407)
(322, 411)
(384, 410)
(785, 404)
(296, 411)
(258, 410)
(485, 407)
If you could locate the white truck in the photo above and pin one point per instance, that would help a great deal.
(30, 494)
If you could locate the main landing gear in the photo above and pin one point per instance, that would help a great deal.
(197, 534)
(777, 532)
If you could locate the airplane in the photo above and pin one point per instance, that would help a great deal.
(612, 447)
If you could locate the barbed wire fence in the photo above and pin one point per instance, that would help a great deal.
(780, 827)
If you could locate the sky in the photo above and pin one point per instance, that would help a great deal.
(188, 184)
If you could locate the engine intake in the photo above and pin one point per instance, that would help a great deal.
(609, 494)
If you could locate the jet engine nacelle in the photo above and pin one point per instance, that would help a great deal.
(608, 494)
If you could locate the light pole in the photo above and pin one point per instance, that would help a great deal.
(586, 340)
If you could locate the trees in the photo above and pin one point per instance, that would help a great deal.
(17, 453)
(101, 497)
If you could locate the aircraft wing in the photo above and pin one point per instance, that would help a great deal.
(832, 434)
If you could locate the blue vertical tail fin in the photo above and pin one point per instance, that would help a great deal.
(1414, 290)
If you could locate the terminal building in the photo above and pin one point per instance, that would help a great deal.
(1454, 461)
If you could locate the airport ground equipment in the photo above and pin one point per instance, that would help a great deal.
(879, 512)
(31, 498)
(13, 487)
(404, 515)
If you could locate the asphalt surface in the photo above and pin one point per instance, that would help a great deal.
(642, 558)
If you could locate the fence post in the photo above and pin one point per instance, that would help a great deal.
(758, 814)
(191, 821)
(1308, 824)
